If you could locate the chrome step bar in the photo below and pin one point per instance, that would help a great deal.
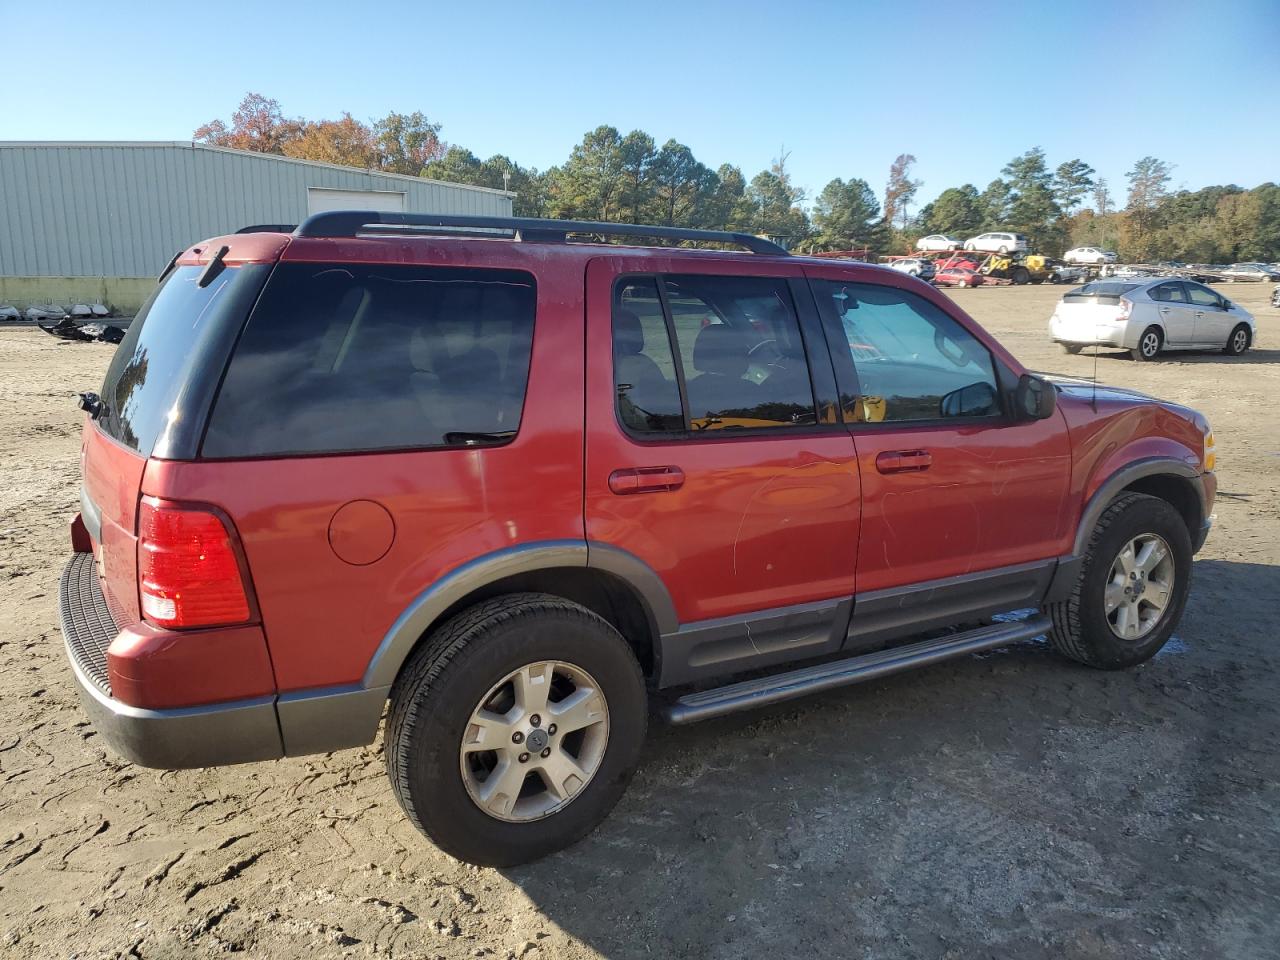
(779, 687)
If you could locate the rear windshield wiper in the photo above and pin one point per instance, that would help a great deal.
(215, 267)
(471, 438)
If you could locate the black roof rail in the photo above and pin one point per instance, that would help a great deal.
(269, 228)
(349, 223)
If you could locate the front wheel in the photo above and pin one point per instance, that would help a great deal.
(1071, 348)
(1149, 344)
(1132, 586)
(1238, 342)
(515, 728)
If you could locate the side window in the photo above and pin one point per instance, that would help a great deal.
(1203, 296)
(912, 360)
(740, 349)
(345, 357)
(644, 368)
(1169, 293)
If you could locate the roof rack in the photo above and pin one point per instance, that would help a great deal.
(349, 223)
(269, 228)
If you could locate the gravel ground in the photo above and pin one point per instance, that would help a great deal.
(1007, 805)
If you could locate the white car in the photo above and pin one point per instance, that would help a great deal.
(1089, 255)
(9, 313)
(937, 242)
(915, 266)
(1148, 315)
(997, 243)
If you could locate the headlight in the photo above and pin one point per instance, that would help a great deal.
(1209, 457)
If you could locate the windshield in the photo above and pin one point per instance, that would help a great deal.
(1104, 288)
(165, 342)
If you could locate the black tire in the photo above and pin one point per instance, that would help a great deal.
(1240, 340)
(1021, 276)
(448, 676)
(1081, 630)
(1145, 351)
(1071, 348)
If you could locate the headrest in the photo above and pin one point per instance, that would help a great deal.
(628, 334)
(720, 349)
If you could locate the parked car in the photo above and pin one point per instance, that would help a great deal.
(1255, 272)
(937, 242)
(362, 478)
(997, 243)
(1093, 255)
(1068, 274)
(45, 311)
(9, 313)
(914, 266)
(957, 277)
(1148, 315)
(1275, 298)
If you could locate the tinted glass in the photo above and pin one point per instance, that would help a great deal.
(913, 361)
(1169, 293)
(1203, 296)
(153, 362)
(740, 348)
(643, 366)
(369, 357)
(1104, 288)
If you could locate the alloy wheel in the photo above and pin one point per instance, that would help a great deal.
(1150, 344)
(534, 741)
(1139, 587)
(1239, 341)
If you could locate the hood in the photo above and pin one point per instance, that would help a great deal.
(1087, 389)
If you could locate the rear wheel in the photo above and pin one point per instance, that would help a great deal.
(1021, 276)
(1132, 586)
(1238, 342)
(515, 728)
(1071, 348)
(1149, 344)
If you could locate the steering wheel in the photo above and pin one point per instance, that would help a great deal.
(773, 340)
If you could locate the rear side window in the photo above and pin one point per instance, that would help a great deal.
(170, 336)
(1169, 293)
(350, 357)
(738, 351)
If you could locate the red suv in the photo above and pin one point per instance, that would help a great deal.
(508, 486)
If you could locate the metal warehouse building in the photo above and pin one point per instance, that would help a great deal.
(97, 221)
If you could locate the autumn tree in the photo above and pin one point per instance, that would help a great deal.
(901, 189)
(346, 142)
(257, 124)
(406, 143)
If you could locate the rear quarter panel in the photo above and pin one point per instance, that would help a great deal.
(324, 617)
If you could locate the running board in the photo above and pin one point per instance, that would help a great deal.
(779, 687)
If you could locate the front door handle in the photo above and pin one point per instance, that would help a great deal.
(904, 461)
(646, 480)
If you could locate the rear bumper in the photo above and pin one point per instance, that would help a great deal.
(216, 734)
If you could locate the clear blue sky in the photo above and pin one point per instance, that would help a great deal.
(846, 86)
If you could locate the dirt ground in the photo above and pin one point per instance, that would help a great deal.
(1007, 805)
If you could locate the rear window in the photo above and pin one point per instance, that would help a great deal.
(343, 357)
(1102, 291)
(164, 342)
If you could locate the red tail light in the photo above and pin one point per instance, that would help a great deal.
(188, 573)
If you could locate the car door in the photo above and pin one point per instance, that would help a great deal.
(962, 505)
(1174, 313)
(1212, 321)
(711, 463)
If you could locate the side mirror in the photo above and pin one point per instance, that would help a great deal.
(1034, 398)
(975, 400)
(1226, 304)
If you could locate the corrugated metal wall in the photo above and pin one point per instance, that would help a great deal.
(122, 210)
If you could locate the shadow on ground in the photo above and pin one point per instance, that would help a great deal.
(977, 808)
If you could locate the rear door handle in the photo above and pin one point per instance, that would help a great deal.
(646, 480)
(903, 461)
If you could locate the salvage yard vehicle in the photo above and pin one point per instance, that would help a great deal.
(954, 276)
(1250, 272)
(914, 266)
(512, 485)
(998, 243)
(937, 243)
(1148, 315)
(1089, 255)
